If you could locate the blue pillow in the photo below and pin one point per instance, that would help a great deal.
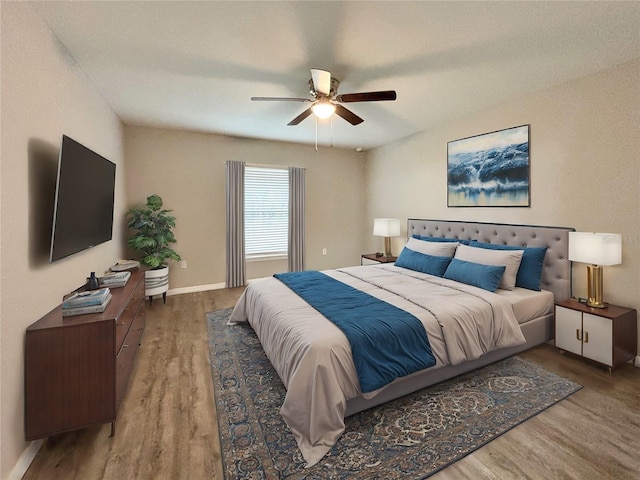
(420, 262)
(440, 239)
(484, 276)
(530, 270)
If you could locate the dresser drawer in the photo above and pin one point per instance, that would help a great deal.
(124, 321)
(139, 321)
(124, 361)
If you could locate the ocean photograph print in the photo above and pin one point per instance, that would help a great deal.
(489, 170)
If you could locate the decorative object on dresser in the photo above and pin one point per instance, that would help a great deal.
(598, 249)
(92, 282)
(80, 303)
(77, 368)
(376, 258)
(115, 279)
(489, 170)
(607, 336)
(387, 228)
(122, 265)
(153, 239)
(85, 298)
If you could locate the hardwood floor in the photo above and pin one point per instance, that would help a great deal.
(167, 426)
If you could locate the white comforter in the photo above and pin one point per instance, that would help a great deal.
(313, 357)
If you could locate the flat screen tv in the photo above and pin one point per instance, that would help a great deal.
(83, 212)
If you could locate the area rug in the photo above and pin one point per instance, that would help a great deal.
(410, 438)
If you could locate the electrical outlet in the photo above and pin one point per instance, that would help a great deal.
(183, 264)
(324, 251)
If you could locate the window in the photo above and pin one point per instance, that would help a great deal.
(266, 212)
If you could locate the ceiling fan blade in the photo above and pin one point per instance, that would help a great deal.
(279, 99)
(348, 115)
(321, 81)
(300, 117)
(367, 96)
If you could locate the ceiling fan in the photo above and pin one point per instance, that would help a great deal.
(326, 101)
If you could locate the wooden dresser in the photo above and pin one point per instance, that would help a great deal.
(77, 368)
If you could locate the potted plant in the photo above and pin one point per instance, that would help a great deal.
(153, 239)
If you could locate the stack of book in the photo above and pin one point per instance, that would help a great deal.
(93, 301)
(115, 279)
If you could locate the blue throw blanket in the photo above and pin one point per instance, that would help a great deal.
(386, 341)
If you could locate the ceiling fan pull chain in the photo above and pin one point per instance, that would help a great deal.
(316, 119)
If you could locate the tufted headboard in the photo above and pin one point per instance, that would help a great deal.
(556, 274)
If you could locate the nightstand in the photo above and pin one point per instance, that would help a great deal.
(371, 259)
(605, 335)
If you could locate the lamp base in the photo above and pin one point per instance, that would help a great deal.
(387, 246)
(597, 305)
(594, 287)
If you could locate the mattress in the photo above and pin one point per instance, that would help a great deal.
(528, 304)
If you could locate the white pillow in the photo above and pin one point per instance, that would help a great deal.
(509, 258)
(439, 249)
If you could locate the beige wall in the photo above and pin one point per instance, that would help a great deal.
(187, 170)
(43, 96)
(585, 169)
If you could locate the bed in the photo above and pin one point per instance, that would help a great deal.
(466, 326)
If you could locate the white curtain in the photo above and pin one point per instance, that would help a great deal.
(296, 219)
(234, 184)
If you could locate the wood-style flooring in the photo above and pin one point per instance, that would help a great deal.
(167, 426)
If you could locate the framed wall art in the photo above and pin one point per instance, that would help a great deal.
(489, 170)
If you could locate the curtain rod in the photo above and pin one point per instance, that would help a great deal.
(262, 165)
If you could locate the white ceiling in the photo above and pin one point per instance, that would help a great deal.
(195, 65)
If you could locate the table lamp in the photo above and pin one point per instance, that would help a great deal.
(387, 228)
(598, 249)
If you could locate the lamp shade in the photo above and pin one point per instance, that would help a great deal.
(386, 227)
(595, 248)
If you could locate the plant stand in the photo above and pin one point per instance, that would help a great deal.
(156, 282)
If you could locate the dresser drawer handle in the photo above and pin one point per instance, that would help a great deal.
(586, 337)
(578, 334)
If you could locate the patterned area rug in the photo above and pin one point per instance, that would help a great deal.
(410, 438)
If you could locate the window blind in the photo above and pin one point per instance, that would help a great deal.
(266, 211)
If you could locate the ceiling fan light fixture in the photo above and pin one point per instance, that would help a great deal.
(323, 109)
(325, 100)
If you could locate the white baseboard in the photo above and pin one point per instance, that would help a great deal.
(195, 289)
(636, 361)
(21, 467)
(201, 288)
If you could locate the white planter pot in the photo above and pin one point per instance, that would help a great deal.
(156, 282)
